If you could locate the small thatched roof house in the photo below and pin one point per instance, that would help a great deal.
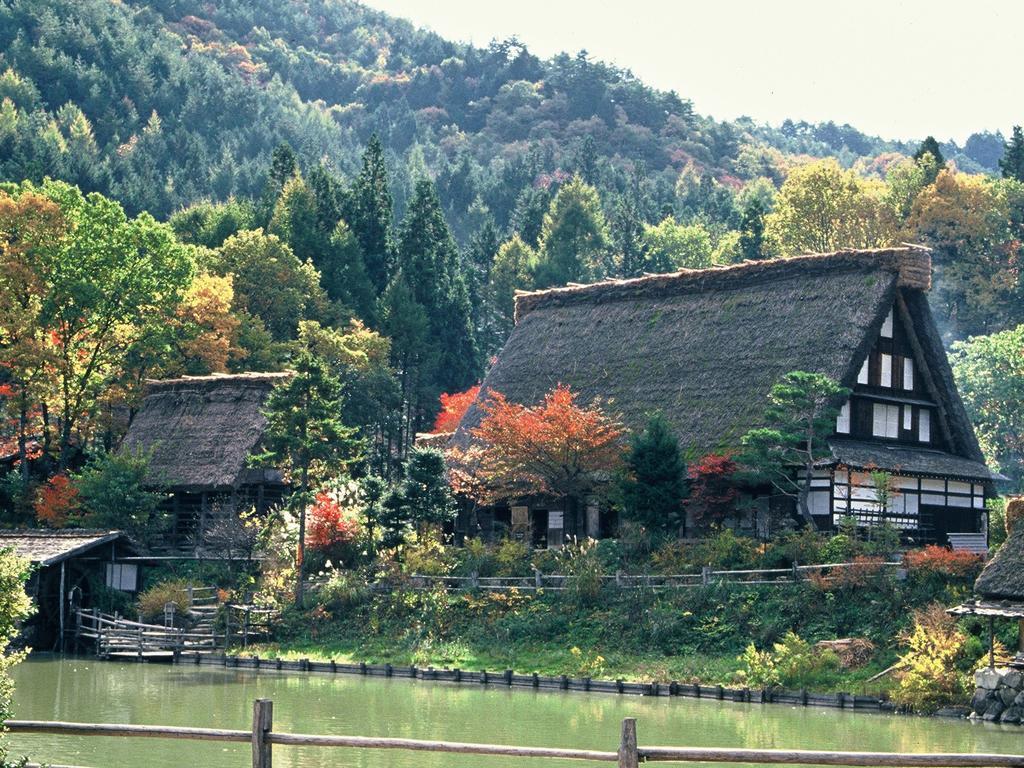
(704, 347)
(199, 432)
(999, 589)
(69, 565)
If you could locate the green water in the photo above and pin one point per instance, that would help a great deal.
(87, 690)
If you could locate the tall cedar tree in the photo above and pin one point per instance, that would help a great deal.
(370, 215)
(800, 416)
(1012, 164)
(574, 239)
(653, 487)
(556, 448)
(429, 259)
(305, 434)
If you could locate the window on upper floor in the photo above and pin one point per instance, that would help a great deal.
(908, 373)
(843, 419)
(885, 420)
(924, 425)
(885, 374)
(886, 332)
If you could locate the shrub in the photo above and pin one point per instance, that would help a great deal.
(151, 602)
(726, 550)
(792, 663)
(15, 606)
(512, 557)
(672, 557)
(428, 556)
(330, 532)
(940, 560)
(860, 573)
(583, 567)
(804, 547)
(343, 590)
(929, 677)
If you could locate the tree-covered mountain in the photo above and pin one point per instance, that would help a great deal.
(161, 103)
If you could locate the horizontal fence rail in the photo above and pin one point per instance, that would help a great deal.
(630, 754)
(555, 581)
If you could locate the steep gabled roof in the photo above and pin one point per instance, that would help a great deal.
(47, 548)
(201, 429)
(706, 346)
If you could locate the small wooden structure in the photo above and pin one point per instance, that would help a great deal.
(999, 590)
(69, 566)
(199, 432)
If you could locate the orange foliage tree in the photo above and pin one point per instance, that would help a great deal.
(556, 448)
(453, 408)
(56, 499)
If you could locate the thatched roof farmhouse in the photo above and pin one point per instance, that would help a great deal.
(199, 432)
(704, 347)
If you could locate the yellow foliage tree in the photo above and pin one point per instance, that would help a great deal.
(822, 208)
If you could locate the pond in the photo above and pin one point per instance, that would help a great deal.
(51, 688)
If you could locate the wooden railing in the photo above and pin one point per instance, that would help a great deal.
(630, 754)
(555, 582)
(114, 635)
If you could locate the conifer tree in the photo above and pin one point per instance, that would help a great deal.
(574, 238)
(304, 431)
(931, 147)
(653, 486)
(429, 259)
(1012, 164)
(752, 230)
(370, 217)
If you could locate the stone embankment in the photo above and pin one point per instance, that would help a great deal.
(999, 695)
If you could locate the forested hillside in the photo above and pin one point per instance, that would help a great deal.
(328, 179)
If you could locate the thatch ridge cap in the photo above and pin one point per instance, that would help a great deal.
(911, 262)
(255, 378)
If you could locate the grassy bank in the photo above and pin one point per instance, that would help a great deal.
(690, 635)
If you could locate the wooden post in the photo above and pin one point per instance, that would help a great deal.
(628, 754)
(991, 642)
(705, 575)
(62, 564)
(538, 578)
(262, 724)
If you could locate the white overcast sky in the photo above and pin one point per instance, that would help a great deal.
(898, 69)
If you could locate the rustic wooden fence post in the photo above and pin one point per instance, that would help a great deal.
(629, 756)
(262, 724)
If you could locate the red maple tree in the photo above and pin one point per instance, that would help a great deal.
(453, 408)
(713, 493)
(556, 448)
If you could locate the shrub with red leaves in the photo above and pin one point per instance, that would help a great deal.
(940, 560)
(328, 528)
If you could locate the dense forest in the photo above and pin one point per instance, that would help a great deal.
(226, 187)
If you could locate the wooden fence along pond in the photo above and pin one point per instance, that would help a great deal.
(630, 753)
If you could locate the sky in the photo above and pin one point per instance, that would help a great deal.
(897, 69)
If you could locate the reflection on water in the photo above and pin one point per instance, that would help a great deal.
(87, 690)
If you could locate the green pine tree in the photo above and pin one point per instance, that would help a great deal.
(752, 230)
(1012, 164)
(574, 238)
(370, 217)
(304, 431)
(652, 490)
(931, 147)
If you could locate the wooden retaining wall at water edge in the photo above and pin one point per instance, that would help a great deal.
(510, 679)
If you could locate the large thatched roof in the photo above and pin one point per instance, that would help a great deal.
(705, 346)
(201, 429)
(1003, 577)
